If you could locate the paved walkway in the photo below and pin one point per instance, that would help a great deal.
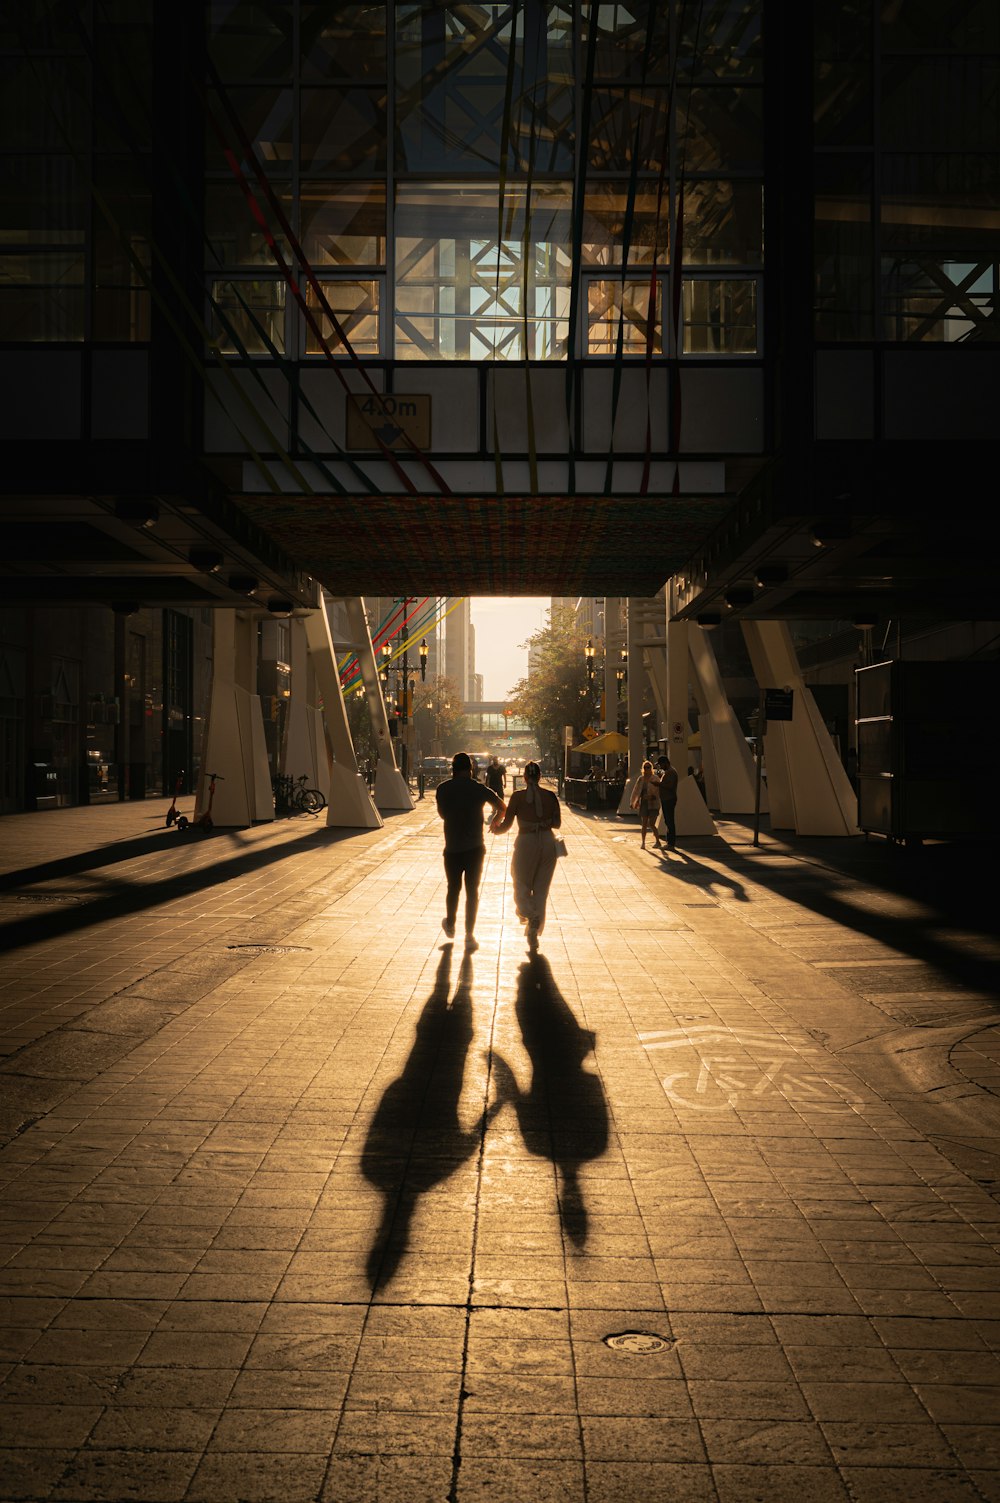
(301, 1205)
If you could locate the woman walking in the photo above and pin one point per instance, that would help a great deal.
(538, 813)
(646, 798)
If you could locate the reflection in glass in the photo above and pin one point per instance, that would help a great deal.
(343, 42)
(452, 65)
(342, 130)
(42, 103)
(265, 116)
(929, 26)
(614, 310)
(40, 312)
(719, 316)
(355, 307)
(842, 247)
(932, 299)
(719, 129)
(250, 39)
(941, 103)
(235, 235)
(632, 41)
(723, 222)
(625, 123)
(604, 220)
(471, 288)
(942, 200)
(343, 224)
(721, 39)
(255, 311)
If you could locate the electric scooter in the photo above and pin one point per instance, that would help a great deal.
(203, 822)
(172, 814)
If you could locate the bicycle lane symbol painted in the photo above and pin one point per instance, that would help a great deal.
(718, 1079)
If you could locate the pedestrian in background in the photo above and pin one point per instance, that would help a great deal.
(668, 799)
(646, 799)
(460, 802)
(538, 812)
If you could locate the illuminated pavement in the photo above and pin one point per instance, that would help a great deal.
(346, 1215)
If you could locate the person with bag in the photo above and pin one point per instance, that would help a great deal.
(536, 849)
(646, 798)
(460, 803)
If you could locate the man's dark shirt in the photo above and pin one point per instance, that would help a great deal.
(460, 804)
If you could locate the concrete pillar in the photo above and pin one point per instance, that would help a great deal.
(349, 804)
(808, 786)
(693, 817)
(727, 761)
(391, 791)
(234, 738)
(305, 740)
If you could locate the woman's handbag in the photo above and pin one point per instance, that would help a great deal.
(560, 846)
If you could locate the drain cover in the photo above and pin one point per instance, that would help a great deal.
(267, 949)
(44, 897)
(643, 1343)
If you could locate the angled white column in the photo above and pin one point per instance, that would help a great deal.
(693, 817)
(305, 748)
(391, 791)
(349, 803)
(234, 737)
(808, 786)
(636, 674)
(726, 758)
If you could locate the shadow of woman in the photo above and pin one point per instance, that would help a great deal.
(416, 1139)
(563, 1115)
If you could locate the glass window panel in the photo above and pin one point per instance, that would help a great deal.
(941, 103)
(842, 97)
(235, 236)
(930, 300)
(265, 115)
(723, 222)
(251, 310)
(125, 188)
(355, 305)
(43, 102)
(124, 39)
(343, 224)
(56, 20)
(632, 41)
(343, 42)
(927, 25)
(605, 207)
(41, 201)
(720, 129)
(451, 83)
(38, 313)
(719, 317)
(468, 288)
(250, 40)
(842, 244)
(120, 315)
(343, 130)
(945, 201)
(720, 39)
(614, 311)
(626, 124)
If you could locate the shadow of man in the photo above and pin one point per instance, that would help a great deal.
(563, 1115)
(416, 1139)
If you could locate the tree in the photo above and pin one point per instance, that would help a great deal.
(556, 692)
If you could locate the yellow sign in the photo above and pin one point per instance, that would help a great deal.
(589, 733)
(390, 418)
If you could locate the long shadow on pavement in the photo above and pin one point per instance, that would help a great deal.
(416, 1140)
(563, 1116)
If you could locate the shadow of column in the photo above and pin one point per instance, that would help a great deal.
(563, 1116)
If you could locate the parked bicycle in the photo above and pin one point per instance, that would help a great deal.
(292, 796)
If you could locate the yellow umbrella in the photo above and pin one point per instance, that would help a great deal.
(600, 746)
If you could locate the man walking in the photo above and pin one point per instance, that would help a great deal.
(496, 776)
(668, 798)
(460, 802)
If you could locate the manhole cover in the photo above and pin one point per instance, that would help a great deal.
(267, 949)
(643, 1343)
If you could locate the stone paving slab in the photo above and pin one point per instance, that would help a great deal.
(301, 1203)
